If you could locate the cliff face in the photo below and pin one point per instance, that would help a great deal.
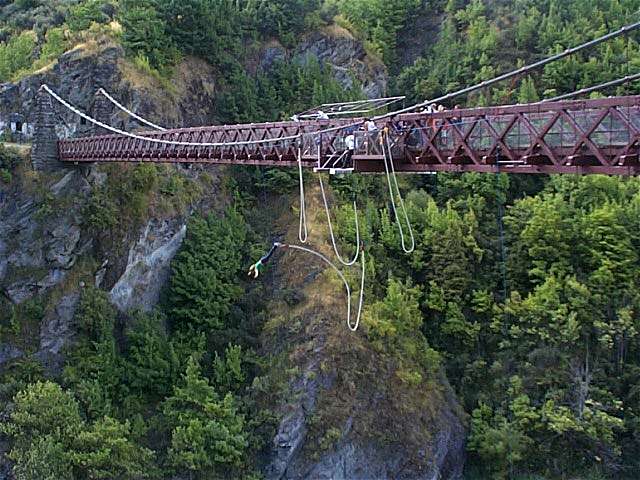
(346, 414)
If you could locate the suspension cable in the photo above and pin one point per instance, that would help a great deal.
(333, 238)
(103, 92)
(157, 140)
(303, 233)
(519, 71)
(391, 174)
(613, 83)
(352, 327)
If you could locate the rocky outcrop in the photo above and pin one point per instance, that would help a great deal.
(347, 414)
(8, 353)
(147, 267)
(40, 240)
(336, 47)
(56, 332)
(354, 457)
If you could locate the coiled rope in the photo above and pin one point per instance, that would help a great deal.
(352, 327)
(303, 233)
(388, 159)
(103, 92)
(333, 238)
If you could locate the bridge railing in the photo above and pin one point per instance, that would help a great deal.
(598, 132)
(602, 133)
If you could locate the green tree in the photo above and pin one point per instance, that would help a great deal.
(151, 362)
(145, 33)
(41, 425)
(105, 451)
(83, 14)
(16, 55)
(204, 282)
(207, 432)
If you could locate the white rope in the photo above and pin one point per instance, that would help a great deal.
(157, 140)
(303, 233)
(102, 91)
(361, 300)
(355, 326)
(333, 238)
(389, 157)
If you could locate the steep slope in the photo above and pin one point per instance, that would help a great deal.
(349, 413)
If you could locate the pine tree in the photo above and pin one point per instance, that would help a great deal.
(204, 277)
(207, 432)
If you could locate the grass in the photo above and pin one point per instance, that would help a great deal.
(324, 350)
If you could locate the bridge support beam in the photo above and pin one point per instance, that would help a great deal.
(44, 153)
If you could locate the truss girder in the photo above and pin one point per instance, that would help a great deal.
(585, 136)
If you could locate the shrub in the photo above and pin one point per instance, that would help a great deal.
(16, 55)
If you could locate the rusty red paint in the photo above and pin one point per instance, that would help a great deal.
(584, 137)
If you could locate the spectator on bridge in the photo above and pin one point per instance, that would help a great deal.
(371, 125)
(350, 144)
(433, 122)
(372, 131)
(321, 115)
(457, 120)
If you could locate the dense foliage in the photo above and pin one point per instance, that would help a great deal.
(479, 40)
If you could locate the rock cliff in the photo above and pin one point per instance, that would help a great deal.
(346, 415)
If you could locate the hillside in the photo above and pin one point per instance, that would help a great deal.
(133, 344)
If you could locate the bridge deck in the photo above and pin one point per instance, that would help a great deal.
(586, 136)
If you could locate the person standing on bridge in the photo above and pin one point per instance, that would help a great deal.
(372, 131)
(350, 144)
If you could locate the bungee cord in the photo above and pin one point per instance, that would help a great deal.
(104, 93)
(346, 263)
(391, 174)
(353, 327)
(303, 233)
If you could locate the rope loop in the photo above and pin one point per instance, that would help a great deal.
(391, 174)
(346, 263)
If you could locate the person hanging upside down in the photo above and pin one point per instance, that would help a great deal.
(257, 268)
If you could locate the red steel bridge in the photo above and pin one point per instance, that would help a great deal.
(584, 137)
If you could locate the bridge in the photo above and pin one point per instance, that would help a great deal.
(557, 136)
(583, 136)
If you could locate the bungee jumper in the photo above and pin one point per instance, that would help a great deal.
(257, 268)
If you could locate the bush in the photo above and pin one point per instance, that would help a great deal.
(84, 14)
(16, 55)
(55, 45)
(100, 213)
